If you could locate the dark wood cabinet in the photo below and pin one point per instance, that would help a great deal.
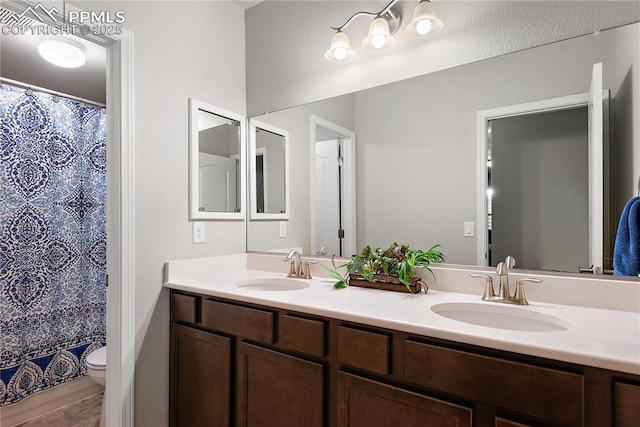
(277, 389)
(245, 365)
(501, 422)
(627, 405)
(200, 378)
(365, 403)
(548, 394)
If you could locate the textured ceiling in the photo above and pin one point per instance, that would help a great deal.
(246, 4)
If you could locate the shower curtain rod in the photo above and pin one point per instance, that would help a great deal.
(49, 91)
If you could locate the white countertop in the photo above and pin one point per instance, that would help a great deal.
(602, 338)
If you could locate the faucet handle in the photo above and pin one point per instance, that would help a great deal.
(489, 292)
(292, 267)
(307, 269)
(519, 296)
(510, 262)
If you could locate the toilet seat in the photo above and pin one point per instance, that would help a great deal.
(97, 359)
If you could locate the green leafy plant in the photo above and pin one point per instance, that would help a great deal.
(397, 260)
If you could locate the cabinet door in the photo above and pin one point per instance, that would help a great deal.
(274, 389)
(363, 402)
(200, 378)
(501, 422)
(627, 405)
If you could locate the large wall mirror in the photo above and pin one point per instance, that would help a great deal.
(216, 162)
(269, 171)
(418, 162)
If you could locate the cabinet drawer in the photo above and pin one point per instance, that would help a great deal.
(184, 308)
(627, 404)
(362, 349)
(237, 320)
(303, 335)
(546, 393)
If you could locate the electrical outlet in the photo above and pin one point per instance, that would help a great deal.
(198, 232)
(283, 228)
(469, 229)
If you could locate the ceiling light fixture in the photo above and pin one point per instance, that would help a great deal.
(62, 52)
(383, 25)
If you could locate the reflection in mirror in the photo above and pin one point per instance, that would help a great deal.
(419, 162)
(536, 154)
(216, 162)
(333, 211)
(269, 169)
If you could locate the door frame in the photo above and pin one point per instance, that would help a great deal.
(348, 184)
(483, 118)
(120, 232)
(120, 216)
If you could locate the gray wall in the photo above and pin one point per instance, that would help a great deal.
(286, 41)
(169, 67)
(219, 140)
(275, 191)
(540, 179)
(626, 105)
(417, 177)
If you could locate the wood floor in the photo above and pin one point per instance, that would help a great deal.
(84, 413)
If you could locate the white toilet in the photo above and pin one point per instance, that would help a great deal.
(97, 371)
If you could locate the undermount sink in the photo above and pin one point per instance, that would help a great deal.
(502, 317)
(273, 284)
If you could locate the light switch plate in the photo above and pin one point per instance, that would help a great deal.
(283, 228)
(469, 229)
(198, 232)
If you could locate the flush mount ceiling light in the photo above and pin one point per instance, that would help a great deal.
(383, 25)
(62, 52)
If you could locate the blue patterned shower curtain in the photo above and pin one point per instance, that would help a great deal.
(52, 239)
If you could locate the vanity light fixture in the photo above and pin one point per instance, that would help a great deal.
(383, 25)
(424, 22)
(62, 52)
(379, 37)
(340, 49)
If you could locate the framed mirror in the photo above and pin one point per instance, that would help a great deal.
(217, 156)
(269, 171)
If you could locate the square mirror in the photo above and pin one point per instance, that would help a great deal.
(216, 162)
(269, 171)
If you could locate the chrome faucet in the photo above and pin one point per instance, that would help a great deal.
(504, 293)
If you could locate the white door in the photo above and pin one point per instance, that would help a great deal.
(596, 126)
(327, 201)
(217, 183)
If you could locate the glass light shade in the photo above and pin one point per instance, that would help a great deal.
(424, 22)
(379, 37)
(62, 53)
(340, 48)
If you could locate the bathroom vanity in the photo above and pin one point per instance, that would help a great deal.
(315, 356)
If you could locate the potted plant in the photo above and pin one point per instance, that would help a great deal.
(387, 268)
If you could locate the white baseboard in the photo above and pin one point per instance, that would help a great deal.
(46, 401)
